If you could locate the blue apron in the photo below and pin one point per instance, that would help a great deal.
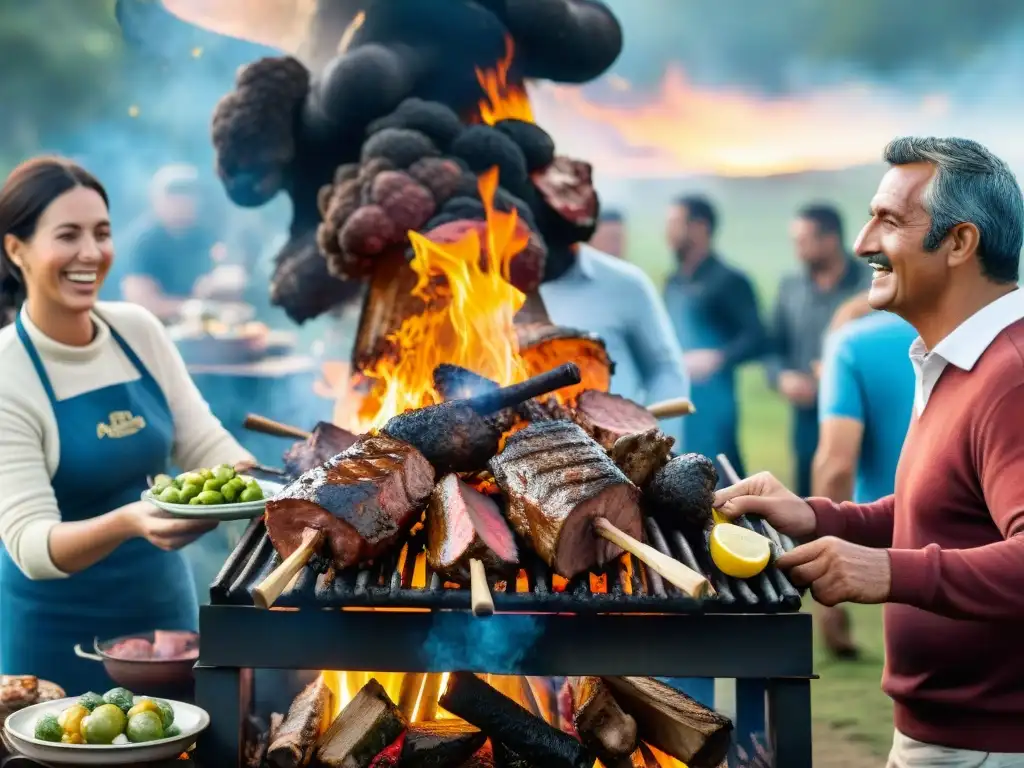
(713, 428)
(110, 440)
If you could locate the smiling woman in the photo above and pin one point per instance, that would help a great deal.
(76, 539)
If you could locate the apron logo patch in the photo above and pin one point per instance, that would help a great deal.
(122, 424)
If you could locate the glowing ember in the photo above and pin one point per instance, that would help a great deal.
(504, 101)
(467, 320)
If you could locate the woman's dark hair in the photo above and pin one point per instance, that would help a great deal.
(26, 194)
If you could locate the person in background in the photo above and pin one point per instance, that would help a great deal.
(610, 236)
(94, 398)
(173, 246)
(617, 301)
(805, 304)
(714, 310)
(945, 551)
(865, 405)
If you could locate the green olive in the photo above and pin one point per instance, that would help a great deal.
(224, 473)
(193, 478)
(170, 495)
(213, 484)
(205, 473)
(252, 492)
(189, 491)
(160, 482)
(230, 491)
(104, 724)
(210, 498)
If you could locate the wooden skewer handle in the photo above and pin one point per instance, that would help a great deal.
(267, 426)
(271, 588)
(479, 593)
(674, 572)
(669, 409)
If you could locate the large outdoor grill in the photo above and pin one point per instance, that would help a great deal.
(624, 621)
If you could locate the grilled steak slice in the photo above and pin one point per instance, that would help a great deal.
(640, 455)
(362, 500)
(682, 492)
(325, 441)
(608, 417)
(557, 480)
(464, 524)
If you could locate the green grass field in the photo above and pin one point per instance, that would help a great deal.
(754, 215)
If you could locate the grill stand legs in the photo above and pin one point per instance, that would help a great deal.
(789, 721)
(226, 693)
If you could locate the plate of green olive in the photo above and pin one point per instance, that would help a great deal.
(217, 493)
(116, 728)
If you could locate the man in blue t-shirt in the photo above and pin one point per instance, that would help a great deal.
(865, 404)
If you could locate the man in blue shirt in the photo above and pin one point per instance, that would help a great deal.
(617, 301)
(866, 398)
(714, 311)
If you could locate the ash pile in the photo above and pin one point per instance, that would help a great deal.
(390, 135)
(625, 722)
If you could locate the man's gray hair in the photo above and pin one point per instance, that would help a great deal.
(970, 185)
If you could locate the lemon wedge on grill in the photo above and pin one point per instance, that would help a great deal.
(739, 552)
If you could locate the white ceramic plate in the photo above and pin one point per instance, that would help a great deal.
(21, 725)
(244, 511)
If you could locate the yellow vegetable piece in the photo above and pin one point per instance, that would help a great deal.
(739, 552)
(70, 720)
(144, 705)
(72, 738)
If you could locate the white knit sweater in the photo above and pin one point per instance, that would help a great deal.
(29, 441)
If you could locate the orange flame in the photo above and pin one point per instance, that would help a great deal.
(683, 127)
(504, 101)
(468, 320)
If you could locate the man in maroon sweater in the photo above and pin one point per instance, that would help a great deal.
(945, 552)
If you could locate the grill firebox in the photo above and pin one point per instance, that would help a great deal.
(751, 630)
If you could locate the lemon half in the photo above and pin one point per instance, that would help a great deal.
(739, 552)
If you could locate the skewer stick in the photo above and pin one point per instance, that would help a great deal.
(272, 587)
(674, 572)
(479, 593)
(266, 426)
(669, 409)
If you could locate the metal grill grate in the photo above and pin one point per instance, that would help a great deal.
(629, 587)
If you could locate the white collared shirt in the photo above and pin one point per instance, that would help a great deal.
(964, 345)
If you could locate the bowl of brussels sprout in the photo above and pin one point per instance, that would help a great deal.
(116, 728)
(217, 493)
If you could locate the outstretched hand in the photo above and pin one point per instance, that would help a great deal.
(840, 572)
(766, 497)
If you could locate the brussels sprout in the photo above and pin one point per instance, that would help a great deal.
(48, 729)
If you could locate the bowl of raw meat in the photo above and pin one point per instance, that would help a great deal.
(159, 659)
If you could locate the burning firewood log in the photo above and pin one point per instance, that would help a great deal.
(455, 436)
(640, 455)
(466, 534)
(295, 738)
(357, 505)
(673, 722)
(440, 744)
(602, 726)
(365, 727)
(505, 722)
(682, 492)
(573, 504)
(483, 758)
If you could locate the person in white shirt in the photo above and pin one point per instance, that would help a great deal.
(94, 398)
